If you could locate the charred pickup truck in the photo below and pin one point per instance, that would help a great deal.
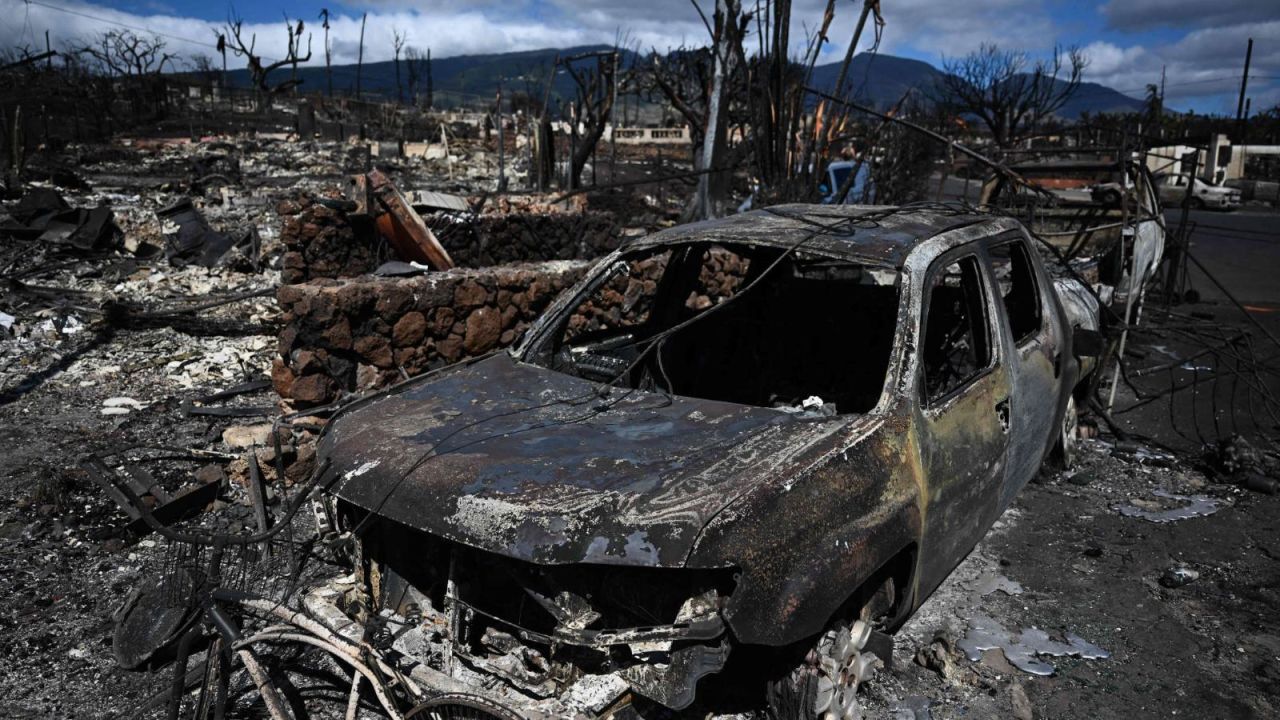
(727, 464)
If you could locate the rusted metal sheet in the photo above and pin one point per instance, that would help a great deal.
(403, 227)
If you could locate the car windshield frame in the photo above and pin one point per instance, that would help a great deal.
(542, 335)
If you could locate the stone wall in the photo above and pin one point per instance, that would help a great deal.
(360, 333)
(321, 242)
(324, 243)
(520, 237)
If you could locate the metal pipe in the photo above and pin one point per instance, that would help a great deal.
(361, 669)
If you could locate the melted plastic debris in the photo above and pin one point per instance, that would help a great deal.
(991, 582)
(1196, 506)
(987, 634)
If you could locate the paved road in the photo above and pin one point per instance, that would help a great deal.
(1241, 249)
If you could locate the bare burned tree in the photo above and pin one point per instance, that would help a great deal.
(125, 54)
(1008, 92)
(683, 78)
(415, 67)
(138, 59)
(259, 72)
(397, 45)
(430, 83)
(592, 105)
(706, 87)
(328, 52)
(904, 157)
(204, 68)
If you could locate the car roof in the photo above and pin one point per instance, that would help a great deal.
(873, 234)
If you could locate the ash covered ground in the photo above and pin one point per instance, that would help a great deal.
(1183, 610)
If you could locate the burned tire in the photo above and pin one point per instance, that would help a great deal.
(825, 685)
(1065, 450)
(459, 706)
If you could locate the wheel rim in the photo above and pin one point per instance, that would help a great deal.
(1070, 421)
(460, 706)
(843, 666)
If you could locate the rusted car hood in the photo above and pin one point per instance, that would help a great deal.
(536, 465)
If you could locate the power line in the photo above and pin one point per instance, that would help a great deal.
(117, 23)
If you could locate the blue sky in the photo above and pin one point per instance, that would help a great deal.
(1201, 45)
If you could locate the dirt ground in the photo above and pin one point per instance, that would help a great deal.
(1064, 558)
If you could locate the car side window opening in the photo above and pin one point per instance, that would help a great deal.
(1016, 278)
(679, 322)
(957, 343)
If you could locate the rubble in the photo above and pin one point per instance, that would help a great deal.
(43, 215)
(194, 242)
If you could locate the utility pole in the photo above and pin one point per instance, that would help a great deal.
(613, 132)
(1244, 86)
(1244, 129)
(48, 49)
(360, 57)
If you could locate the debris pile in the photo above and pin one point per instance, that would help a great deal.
(45, 216)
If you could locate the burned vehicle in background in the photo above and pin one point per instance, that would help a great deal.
(1103, 216)
(736, 455)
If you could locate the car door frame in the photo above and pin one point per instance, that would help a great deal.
(962, 439)
(1036, 366)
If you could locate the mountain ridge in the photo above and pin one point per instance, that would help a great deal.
(879, 79)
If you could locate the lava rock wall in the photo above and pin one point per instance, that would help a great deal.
(368, 332)
(322, 242)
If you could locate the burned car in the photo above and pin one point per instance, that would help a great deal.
(737, 454)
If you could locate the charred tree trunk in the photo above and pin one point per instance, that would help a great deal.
(713, 183)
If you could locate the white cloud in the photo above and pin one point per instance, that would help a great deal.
(447, 31)
(454, 27)
(1106, 59)
(1203, 63)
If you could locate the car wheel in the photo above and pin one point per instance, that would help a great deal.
(1064, 451)
(1111, 198)
(1197, 203)
(825, 685)
(460, 706)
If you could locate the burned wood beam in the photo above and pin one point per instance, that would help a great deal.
(257, 493)
(404, 228)
(169, 509)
